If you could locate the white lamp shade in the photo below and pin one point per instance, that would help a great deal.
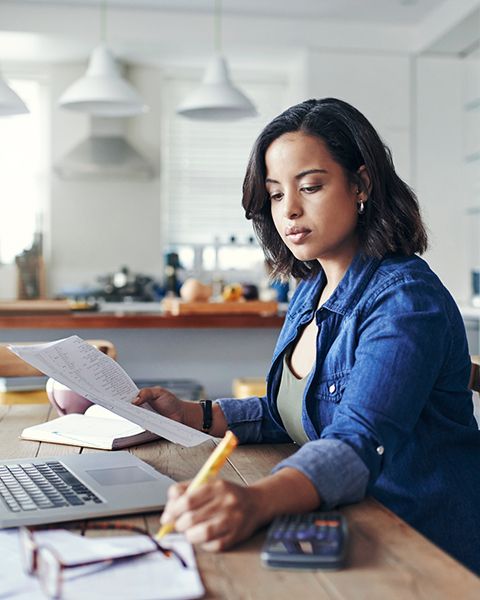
(217, 99)
(102, 91)
(10, 102)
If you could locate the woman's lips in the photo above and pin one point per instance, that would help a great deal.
(296, 235)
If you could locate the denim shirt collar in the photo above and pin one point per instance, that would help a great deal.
(348, 292)
(352, 285)
(343, 300)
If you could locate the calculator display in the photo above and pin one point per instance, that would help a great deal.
(313, 540)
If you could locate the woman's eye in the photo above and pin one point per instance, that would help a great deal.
(276, 196)
(311, 189)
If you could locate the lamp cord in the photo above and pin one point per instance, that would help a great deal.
(103, 22)
(218, 27)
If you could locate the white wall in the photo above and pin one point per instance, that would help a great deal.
(96, 227)
(441, 181)
(378, 85)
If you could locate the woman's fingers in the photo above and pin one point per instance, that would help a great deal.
(216, 515)
(147, 395)
(162, 401)
(177, 490)
(208, 532)
(180, 501)
(219, 544)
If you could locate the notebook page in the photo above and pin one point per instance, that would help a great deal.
(83, 430)
(84, 369)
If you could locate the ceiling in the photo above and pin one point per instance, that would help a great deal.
(169, 32)
(399, 12)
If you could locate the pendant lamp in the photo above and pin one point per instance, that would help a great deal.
(217, 98)
(10, 101)
(102, 91)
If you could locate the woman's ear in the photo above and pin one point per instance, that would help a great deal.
(366, 187)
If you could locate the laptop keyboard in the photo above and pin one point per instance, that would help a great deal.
(29, 486)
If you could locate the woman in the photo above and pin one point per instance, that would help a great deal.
(370, 372)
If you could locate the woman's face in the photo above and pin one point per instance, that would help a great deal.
(314, 207)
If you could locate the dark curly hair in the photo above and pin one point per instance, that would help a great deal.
(391, 222)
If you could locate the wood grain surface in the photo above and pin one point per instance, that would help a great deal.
(387, 559)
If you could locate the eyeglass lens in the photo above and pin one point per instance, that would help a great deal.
(49, 572)
(28, 549)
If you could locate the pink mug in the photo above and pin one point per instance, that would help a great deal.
(64, 399)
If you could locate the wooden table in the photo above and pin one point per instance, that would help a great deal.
(388, 560)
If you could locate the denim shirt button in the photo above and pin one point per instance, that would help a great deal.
(332, 388)
(380, 450)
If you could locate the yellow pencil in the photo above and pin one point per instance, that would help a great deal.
(211, 467)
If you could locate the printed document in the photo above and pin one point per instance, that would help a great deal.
(100, 379)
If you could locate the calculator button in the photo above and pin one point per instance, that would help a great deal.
(321, 533)
(305, 534)
(332, 534)
(290, 535)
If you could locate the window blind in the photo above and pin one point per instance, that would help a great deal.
(204, 165)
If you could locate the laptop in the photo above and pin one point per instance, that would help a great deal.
(37, 491)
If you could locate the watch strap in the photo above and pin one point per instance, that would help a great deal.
(207, 414)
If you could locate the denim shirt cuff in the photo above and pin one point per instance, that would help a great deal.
(335, 469)
(244, 417)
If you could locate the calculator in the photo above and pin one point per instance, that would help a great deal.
(316, 540)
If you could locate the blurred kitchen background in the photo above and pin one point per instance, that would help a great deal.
(88, 211)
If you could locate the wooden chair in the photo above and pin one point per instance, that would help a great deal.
(13, 366)
(474, 383)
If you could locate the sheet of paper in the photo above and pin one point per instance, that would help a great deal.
(152, 577)
(14, 583)
(100, 379)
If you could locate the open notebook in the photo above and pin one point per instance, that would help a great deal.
(98, 427)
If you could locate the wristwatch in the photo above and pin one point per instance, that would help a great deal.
(207, 415)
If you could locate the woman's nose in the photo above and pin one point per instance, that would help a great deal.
(292, 206)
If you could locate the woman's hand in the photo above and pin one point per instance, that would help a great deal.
(216, 515)
(219, 514)
(163, 402)
(188, 413)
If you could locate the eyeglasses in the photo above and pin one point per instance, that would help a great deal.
(44, 561)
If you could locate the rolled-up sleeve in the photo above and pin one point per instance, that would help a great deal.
(334, 468)
(251, 420)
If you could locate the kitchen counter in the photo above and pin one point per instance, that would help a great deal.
(130, 320)
(213, 349)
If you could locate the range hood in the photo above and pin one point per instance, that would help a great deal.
(105, 155)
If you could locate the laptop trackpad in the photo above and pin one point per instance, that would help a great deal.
(120, 475)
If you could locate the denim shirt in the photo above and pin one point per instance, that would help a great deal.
(386, 408)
